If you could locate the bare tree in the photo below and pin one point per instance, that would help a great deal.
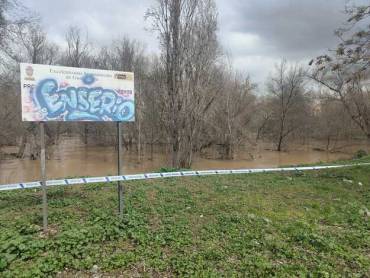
(128, 55)
(12, 14)
(331, 122)
(187, 33)
(77, 55)
(345, 73)
(262, 117)
(27, 43)
(77, 47)
(233, 112)
(287, 95)
(154, 112)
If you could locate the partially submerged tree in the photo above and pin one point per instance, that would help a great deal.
(331, 123)
(126, 54)
(233, 112)
(26, 42)
(187, 34)
(287, 99)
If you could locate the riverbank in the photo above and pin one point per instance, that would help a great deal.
(284, 224)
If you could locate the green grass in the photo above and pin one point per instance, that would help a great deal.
(280, 224)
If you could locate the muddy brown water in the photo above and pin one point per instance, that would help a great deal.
(71, 158)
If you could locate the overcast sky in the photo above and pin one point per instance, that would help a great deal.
(255, 33)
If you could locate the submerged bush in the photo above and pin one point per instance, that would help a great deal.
(360, 154)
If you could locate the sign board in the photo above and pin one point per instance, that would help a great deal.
(53, 93)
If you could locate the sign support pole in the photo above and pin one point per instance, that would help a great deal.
(119, 164)
(43, 178)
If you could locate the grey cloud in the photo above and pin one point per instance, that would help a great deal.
(257, 33)
(104, 20)
(290, 28)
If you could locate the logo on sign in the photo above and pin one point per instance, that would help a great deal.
(29, 73)
(120, 76)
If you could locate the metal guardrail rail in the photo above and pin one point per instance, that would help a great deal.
(108, 179)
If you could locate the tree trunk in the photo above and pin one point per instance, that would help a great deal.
(151, 143)
(139, 141)
(22, 146)
(328, 143)
(280, 142)
(58, 133)
(86, 131)
(175, 150)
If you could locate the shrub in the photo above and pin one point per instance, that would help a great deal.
(360, 154)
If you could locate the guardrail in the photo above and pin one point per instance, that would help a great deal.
(108, 179)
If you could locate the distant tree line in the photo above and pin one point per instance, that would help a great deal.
(189, 97)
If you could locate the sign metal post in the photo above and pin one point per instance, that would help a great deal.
(119, 164)
(43, 178)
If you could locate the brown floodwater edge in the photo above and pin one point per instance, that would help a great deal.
(71, 158)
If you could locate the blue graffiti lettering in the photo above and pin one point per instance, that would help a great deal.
(82, 103)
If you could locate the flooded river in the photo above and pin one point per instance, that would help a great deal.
(72, 158)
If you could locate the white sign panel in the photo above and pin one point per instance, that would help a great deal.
(53, 93)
